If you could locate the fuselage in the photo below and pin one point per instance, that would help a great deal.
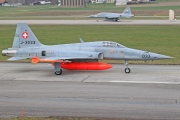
(76, 56)
(88, 50)
(110, 15)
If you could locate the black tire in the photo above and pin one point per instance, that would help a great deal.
(127, 70)
(58, 72)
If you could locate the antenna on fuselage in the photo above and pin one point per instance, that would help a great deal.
(81, 40)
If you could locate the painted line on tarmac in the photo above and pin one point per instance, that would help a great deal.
(146, 82)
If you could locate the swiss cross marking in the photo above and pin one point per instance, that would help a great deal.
(25, 35)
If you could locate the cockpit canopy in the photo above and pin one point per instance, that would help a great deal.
(112, 44)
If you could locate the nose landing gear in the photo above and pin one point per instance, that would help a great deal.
(127, 69)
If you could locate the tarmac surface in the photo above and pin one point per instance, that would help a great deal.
(148, 92)
(94, 22)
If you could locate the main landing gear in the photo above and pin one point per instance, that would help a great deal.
(127, 69)
(115, 19)
(58, 72)
(57, 68)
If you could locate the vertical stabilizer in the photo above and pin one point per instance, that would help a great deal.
(16, 39)
(127, 10)
(24, 37)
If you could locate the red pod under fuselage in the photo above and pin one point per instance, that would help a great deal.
(85, 66)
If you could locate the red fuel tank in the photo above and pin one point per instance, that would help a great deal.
(85, 66)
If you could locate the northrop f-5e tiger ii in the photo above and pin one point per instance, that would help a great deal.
(76, 56)
(114, 16)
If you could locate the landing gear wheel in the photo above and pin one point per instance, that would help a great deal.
(115, 19)
(58, 72)
(127, 70)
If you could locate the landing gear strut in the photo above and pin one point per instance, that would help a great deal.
(127, 69)
(57, 68)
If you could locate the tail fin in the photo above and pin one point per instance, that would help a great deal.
(24, 37)
(127, 10)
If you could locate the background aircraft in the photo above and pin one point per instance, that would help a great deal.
(76, 56)
(114, 16)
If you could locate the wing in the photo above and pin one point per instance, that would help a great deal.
(112, 16)
(65, 55)
(17, 58)
(61, 58)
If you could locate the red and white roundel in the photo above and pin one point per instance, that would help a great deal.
(25, 35)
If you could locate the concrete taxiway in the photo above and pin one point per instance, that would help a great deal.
(94, 22)
(148, 92)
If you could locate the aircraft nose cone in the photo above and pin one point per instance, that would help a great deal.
(163, 57)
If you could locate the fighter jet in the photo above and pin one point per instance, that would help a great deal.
(113, 16)
(76, 56)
